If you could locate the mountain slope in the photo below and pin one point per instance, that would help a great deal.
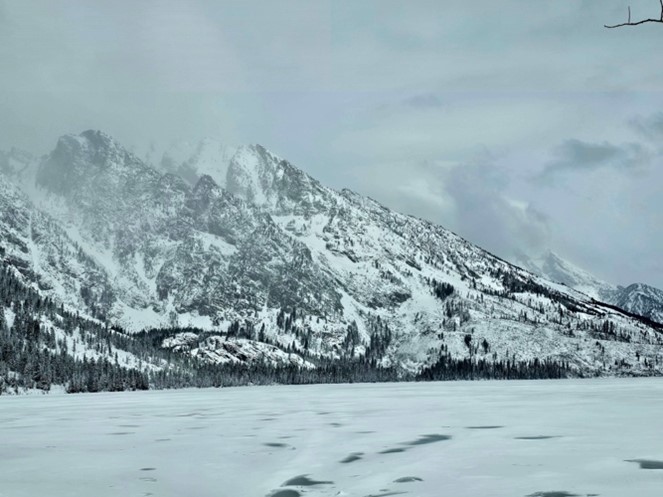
(330, 273)
(637, 298)
(44, 345)
(641, 299)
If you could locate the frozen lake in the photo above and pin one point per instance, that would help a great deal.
(512, 439)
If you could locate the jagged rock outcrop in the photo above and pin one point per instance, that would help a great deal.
(641, 299)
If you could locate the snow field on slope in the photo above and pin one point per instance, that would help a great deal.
(466, 439)
(135, 320)
(212, 158)
(249, 165)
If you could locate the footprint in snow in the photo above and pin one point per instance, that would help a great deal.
(407, 479)
(355, 456)
(285, 493)
(304, 481)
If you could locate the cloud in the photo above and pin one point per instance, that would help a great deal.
(424, 101)
(471, 198)
(575, 156)
(650, 127)
(387, 97)
(486, 214)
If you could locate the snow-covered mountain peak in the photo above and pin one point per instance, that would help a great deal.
(641, 299)
(268, 246)
(552, 266)
(204, 185)
(101, 148)
(637, 298)
(99, 139)
(642, 288)
(251, 172)
(563, 271)
(90, 158)
(193, 160)
(205, 192)
(264, 179)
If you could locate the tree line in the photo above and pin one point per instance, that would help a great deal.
(90, 356)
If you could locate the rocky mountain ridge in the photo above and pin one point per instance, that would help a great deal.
(226, 165)
(637, 298)
(261, 247)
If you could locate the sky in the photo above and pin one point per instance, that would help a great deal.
(522, 126)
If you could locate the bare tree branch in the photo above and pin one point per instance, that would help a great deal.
(629, 23)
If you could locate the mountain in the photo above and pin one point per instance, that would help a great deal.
(249, 247)
(191, 161)
(43, 345)
(638, 298)
(248, 172)
(553, 267)
(641, 299)
(20, 166)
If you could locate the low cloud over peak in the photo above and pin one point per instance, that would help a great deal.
(574, 156)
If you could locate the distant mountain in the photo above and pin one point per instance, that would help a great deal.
(641, 299)
(637, 298)
(242, 245)
(555, 268)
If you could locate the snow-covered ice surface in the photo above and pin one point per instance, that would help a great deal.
(599, 437)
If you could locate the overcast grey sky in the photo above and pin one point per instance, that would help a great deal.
(519, 124)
